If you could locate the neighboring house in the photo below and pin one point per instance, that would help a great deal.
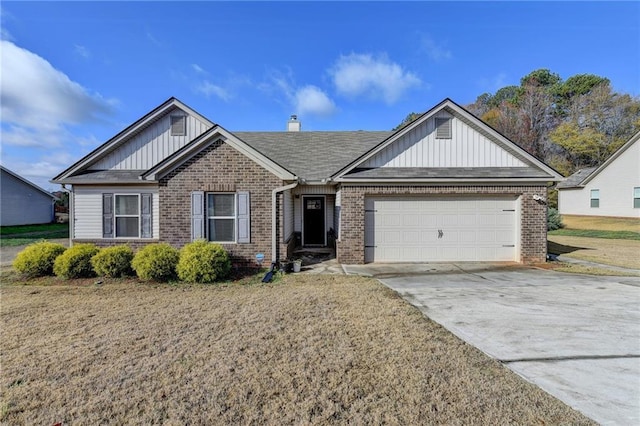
(446, 187)
(23, 202)
(613, 189)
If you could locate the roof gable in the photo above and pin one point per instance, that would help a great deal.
(143, 144)
(623, 150)
(203, 141)
(473, 145)
(26, 182)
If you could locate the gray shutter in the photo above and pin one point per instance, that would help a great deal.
(197, 215)
(107, 215)
(244, 217)
(146, 215)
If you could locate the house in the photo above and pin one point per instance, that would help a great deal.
(23, 202)
(613, 189)
(446, 187)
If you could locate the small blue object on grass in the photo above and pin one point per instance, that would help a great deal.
(269, 276)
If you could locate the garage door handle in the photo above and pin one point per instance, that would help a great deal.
(440, 233)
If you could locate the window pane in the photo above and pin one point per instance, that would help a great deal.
(595, 202)
(221, 205)
(127, 204)
(636, 192)
(222, 230)
(595, 193)
(127, 227)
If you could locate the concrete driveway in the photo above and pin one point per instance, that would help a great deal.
(575, 336)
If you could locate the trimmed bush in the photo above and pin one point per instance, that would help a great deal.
(156, 262)
(113, 262)
(554, 220)
(203, 262)
(75, 262)
(37, 259)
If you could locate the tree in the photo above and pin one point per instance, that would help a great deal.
(586, 147)
(412, 116)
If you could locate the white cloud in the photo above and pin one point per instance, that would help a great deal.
(82, 51)
(305, 100)
(435, 51)
(197, 68)
(38, 101)
(494, 83)
(208, 89)
(312, 100)
(357, 75)
(42, 170)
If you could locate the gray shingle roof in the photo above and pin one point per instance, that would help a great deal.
(447, 173)
(576, 179)
(107, 176)
(313, 155)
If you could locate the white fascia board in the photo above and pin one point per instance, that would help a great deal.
(451, 180)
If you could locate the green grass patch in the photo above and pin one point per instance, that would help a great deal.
(30, 229)
(12, 236)
(592, 233)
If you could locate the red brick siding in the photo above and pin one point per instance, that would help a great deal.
(218, 168)
(533, 221)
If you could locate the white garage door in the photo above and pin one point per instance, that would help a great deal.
(440, 229)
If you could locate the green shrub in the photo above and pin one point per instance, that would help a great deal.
(554, 220)
(203, 262)
(156, 262)
(37, 259)
(75, 262)
(113, 262)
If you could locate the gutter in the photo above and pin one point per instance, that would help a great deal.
(274, 218)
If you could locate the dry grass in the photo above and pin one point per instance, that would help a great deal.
(574, 268)
(306, 350)
(601, 223)
(624, 253)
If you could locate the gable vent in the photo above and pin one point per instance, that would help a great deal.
(178, 125)
(443, 128)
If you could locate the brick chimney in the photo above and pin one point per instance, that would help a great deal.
(293, 125)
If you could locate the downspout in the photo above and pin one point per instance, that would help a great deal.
(274, 217)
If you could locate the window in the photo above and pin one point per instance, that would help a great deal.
(595, 198)
(443, 128)
(178, 125)
(221, 217)
(127, 215)
(636, 197)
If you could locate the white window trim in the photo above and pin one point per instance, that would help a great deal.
(234, 217)
(115, 216)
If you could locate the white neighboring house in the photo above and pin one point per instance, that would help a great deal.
(613, 189)
(23, 202)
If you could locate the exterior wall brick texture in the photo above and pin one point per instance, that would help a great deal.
(218, 168)
(533, 220)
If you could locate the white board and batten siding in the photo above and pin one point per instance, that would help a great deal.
(441, 229)
(152, 145)
(87, 206)
(310, 190)
(467, 147)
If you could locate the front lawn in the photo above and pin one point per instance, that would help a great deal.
(305, 350)
(12, 236)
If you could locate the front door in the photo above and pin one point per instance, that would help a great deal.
(313, 228)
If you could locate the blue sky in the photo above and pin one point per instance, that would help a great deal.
(74, 74)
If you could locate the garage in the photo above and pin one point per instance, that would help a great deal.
(441, 229)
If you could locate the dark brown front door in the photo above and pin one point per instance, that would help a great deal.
(313, 232)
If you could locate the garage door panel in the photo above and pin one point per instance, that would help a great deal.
(440, 229)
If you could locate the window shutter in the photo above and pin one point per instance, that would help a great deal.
(197, 215)
(107, 215)
(244, 217)
(146, 215)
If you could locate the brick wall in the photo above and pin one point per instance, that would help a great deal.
(533, 220)
(218, 168)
